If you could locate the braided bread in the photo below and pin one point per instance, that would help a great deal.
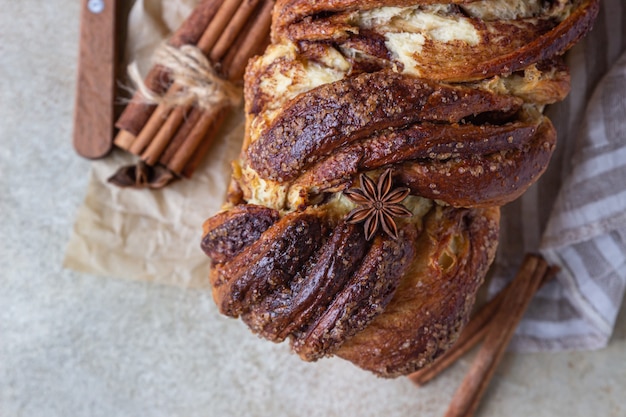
(417, 118)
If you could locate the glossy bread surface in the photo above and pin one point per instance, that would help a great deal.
(442, 101)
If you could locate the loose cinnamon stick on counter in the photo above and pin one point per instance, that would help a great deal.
(472, 334)
(137, 112)
(468, 395)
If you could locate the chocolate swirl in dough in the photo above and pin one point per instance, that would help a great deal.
(447, 95)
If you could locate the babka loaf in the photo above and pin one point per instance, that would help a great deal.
(382, 136)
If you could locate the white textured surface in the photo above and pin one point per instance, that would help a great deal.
(77, 345)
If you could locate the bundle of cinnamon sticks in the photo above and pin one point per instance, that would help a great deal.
(173, 140)
(494, 326)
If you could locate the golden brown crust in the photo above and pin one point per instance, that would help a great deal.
(434, 300)
(316, 123)
(325, 290)
(550, 44)
(266, 264)
(447, 100)
(429, 146)
(327, 274)
(483, 180)
(228, 233)
(365, 296)
(547, 82)
(504, 46)
(290, 12)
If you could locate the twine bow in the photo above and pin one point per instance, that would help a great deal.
(198, 82)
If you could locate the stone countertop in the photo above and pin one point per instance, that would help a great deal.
(80, 345)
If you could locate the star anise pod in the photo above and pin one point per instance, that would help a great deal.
(379, 204)
(142, 175)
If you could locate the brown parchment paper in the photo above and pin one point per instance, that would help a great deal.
(152, 235)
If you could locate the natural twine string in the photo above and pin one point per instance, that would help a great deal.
(192, 71)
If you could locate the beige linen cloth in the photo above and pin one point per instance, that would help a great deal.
(575, 216)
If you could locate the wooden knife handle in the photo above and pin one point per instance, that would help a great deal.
(95, 90)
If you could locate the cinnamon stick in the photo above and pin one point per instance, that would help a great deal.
(154, 123)
(251, 35)
(474, 332)
(208, 119)
(205, 145)
(163, 124)
(181, 135)
(124, 139)
(137, 112)
(218, 25)
(257, 37)
(472, 388)
(164, 136)
(233, 29)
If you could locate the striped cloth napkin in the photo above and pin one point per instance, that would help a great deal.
(576, 214)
